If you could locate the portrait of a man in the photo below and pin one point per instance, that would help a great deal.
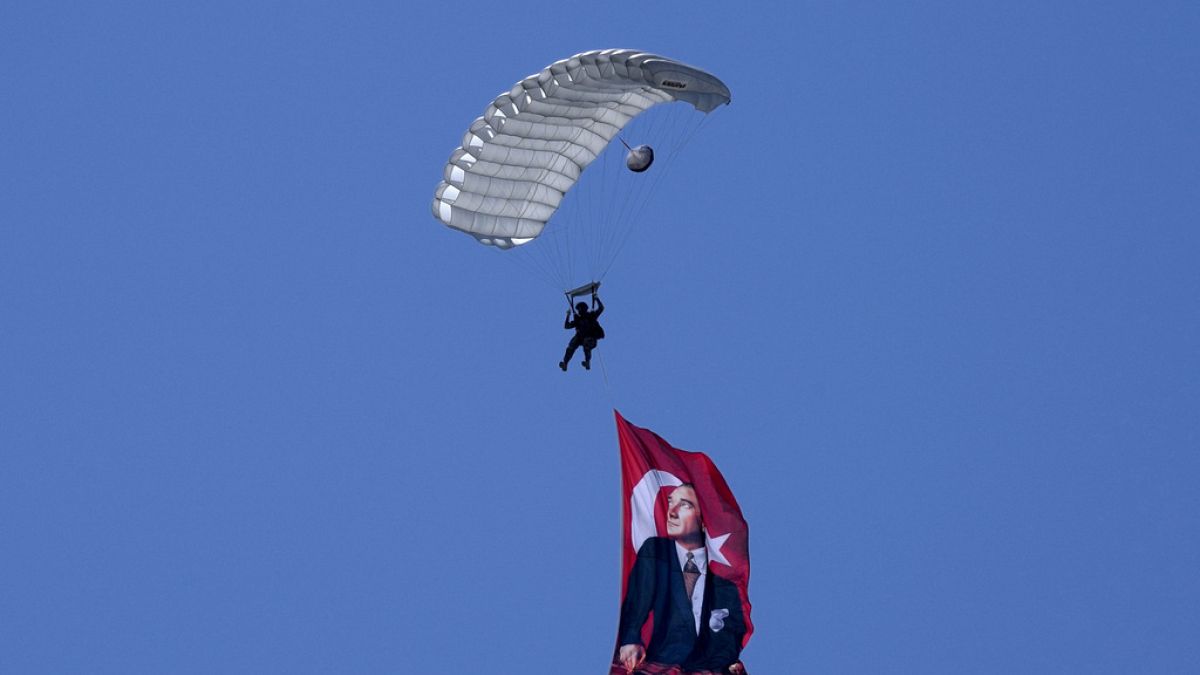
(696, 614)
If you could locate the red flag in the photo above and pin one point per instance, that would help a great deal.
(680, 520)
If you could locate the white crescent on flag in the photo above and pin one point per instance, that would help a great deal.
(641, 504)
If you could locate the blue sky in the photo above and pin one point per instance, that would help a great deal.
(925, 291)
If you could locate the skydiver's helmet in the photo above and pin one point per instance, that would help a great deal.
(581, 307)
(640, 158)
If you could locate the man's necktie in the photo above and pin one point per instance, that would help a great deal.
(690, 574)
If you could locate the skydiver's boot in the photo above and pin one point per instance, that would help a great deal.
(563, 365)
(587, 364)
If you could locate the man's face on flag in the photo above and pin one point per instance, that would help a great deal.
(683, 516)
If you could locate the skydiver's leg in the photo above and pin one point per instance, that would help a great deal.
(588, 345)
(571, 347)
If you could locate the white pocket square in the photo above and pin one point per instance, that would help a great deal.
(716, 620)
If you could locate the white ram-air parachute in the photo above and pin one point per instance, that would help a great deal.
(530, 147)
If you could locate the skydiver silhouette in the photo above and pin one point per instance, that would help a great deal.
(587, 331)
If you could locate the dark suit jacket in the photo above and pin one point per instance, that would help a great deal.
(656, 585)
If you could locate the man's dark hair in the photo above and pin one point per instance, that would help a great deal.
(693, 487)
(581, 307)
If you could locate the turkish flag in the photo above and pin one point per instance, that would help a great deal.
(651, 471)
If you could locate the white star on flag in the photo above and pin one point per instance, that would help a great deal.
(714, 545)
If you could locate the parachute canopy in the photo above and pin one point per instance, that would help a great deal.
(533, 142)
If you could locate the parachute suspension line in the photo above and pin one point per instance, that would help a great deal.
(613, 216)
(651, 126)
(565, 253)
(687, 137)
(599, 227)
(665, 124)
(599, 204)
(562, 246)
(585, 225)
(647, 125)
(683, 136)
(531, 264)
(609, 384)
(604, 372)
(534, 264)
(586, 201)
(533, 260)
(622, 234)
(546, 257)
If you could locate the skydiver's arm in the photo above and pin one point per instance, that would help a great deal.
(600, 307)
(568, 323)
